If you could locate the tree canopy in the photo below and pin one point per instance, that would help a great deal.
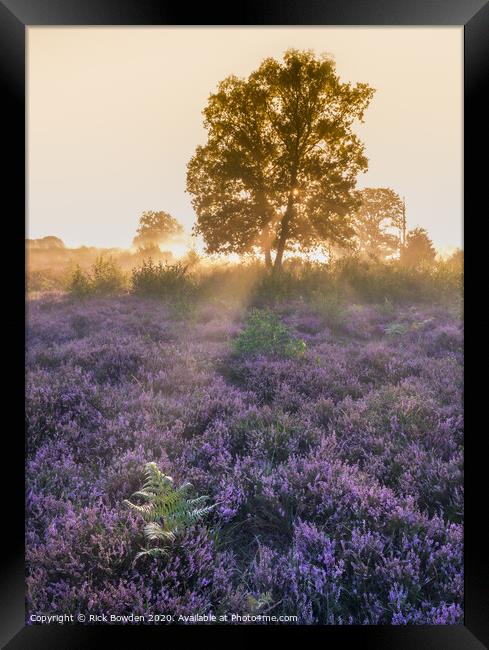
(46, 243)
(155, 228)
(281, 160)
(419, 249)
(380, 213)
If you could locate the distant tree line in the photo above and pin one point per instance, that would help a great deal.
(48, 243)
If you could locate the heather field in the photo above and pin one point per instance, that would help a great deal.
(325, 429)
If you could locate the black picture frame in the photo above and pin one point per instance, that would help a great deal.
(15, 17)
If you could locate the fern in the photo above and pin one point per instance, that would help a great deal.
(396, 329)
(256, 604)
(166, 509)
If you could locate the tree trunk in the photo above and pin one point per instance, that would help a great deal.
(266, 245)
(284, 234)
(268, 258)
(277, 265)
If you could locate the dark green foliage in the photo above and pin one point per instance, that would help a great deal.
(264, 333)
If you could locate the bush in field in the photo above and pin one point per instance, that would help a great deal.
(377, 281)
(264, 333)
(162, 280)
(353, 279)
(274, 287)
(80, 284)
(107, 277)
(104, 278)
(298, 279)
(166, 509)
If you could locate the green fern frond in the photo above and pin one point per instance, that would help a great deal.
(197, 501)
(167, 510)
(154, 532)
(144, 494)
(142, 509)
(152, 552)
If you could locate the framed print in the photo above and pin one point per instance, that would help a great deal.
(242, 322)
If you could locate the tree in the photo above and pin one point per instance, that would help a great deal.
(419, 249)
(280, 163)
(156, 228)
(456, 260)
(381, 209)
(46, 243)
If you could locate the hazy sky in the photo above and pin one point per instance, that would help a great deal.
(114, 115)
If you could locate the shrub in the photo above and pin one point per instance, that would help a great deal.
(274, 287)
(298, 279)
(162, 280)
(107, 277)
(79, 284)
(377, 281)
(104, 278)
(264, 333)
